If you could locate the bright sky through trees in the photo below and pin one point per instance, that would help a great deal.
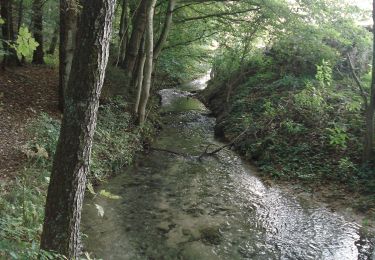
(365, 4)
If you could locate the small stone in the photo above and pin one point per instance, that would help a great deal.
(163, 226)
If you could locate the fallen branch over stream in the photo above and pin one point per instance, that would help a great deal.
(206, 153)
(168, 151)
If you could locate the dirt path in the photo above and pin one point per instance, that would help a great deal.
(25, 92)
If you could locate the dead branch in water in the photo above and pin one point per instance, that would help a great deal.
(168, 151)
(206, 153)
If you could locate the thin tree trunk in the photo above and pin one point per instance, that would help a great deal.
(369, 136)
(71, 163)
(139, 24)
(20, 15)
(124, 30)
(37, 21)
(10, 57)
(55, 37)
(140, 71)
(68, 31)
(148, 63)
(166, 28)
(19, 24)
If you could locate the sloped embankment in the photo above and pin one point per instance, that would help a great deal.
(296, 131)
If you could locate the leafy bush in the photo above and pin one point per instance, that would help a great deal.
(25, 43)
(306, 117)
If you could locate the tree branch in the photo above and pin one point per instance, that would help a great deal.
(358, 81)
(217, 15)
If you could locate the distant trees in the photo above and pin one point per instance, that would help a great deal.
(165, 30)
(37, 23)
(69, 11)
(71, 162)
(139, 25)
(148, 64)
(10, 56)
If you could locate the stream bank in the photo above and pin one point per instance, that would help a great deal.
(178, 207)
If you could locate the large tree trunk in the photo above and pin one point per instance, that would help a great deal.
(124, 30)
(71, 162)
(369, 137)
(139, 24)
(139, 79)
(55, 37)
(37, 20)
(166, 28)
(148, 63)
(10, 57)
(68, 30)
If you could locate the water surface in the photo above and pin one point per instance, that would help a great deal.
(179, 207)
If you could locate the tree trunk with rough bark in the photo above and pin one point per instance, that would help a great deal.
(139, 24)
(68, 30)
(166, 28)
(71, 162)
(37, 21)
(10, 57)
(368, 155)
(149, 42)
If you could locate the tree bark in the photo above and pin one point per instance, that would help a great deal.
(139, 24)
(124, 30)
(166, 28)
(369, 136)
(10, 57)
(71, 162)
(146, 85)
(68, 30)
(139, 79)
(55, 37)
(37, 21)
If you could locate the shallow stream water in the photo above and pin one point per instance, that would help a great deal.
(179, 207)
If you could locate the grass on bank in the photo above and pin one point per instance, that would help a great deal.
(116, 141)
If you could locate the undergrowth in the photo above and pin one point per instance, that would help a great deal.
(307, 127)
(117, 140)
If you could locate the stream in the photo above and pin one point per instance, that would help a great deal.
(179, 207)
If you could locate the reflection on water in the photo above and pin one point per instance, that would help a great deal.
(175, 207)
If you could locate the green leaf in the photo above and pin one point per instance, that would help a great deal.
(109, 195)
(91, 188)
(25, 43)
(100, 210)
(1, 21)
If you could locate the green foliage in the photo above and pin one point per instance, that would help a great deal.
(324, 74)
(22, 204)
(269, 110)
(306, 116)
(22, 208)
(25, 43)
(52, 60)
(1, 21)
(310, 98)
(115, 142)
(337, 136)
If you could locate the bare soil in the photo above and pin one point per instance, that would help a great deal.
(25, 92)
